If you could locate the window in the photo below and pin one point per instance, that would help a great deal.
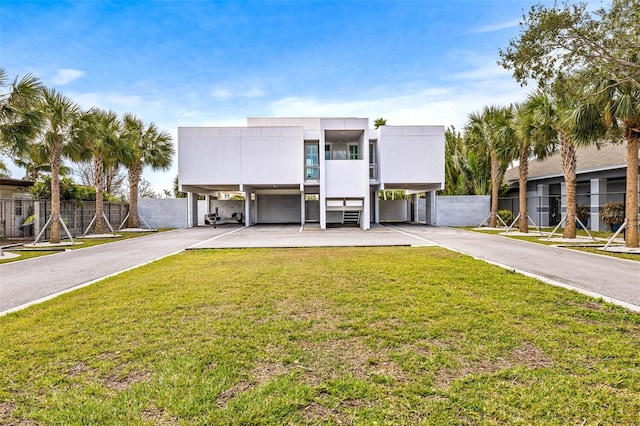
(353, 152)
(327, 151)
(311, 164)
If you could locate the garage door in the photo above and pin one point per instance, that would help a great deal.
(278, 208)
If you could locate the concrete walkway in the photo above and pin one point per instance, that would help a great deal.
(37, 279)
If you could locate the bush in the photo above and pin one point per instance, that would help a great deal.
(506, 216)
(612, 213)
(583, 212)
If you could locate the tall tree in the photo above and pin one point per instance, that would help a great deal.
(149, 147)
(20, 114)
(563, 40)
(532, 138)
(57, 141)
(482, 131)
(560, 42)
(97, 131)
(617, 108)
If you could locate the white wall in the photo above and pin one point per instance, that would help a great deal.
(411, 154)
(235, 155)
(163, 212)
(394, 210)
(346, 178)
(462, 210)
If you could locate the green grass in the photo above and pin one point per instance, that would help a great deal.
(581, 233)
(27, 253)
(392, 335)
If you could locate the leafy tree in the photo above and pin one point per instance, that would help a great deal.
(149, 147)
(561, 41)
(68, 189)
(380, 122)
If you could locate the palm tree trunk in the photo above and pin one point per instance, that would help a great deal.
(99, 176)
(631, 232)
(569, 160)
(54, 161)
(135, 172)
(495, 188)
(522, 193)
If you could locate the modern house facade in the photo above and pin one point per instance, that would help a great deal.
(600, 177)
(300, 170)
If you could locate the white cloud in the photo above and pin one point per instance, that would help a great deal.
(446, 105)
(224, 93)
(482, 73)
(65, 76)
(496, 27)
(109, 100)
(221, 94)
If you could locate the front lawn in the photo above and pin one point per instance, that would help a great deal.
(390, 335)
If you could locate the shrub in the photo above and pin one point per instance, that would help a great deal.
(583, 212)
(506, 216)
(612, 213)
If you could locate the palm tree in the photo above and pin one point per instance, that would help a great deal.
(147, 146)
(619, 106)
(533, 138)
(559, 119)
(57, 140)
(98, 133)
(20, 115)
(380, 122)
(483, 133)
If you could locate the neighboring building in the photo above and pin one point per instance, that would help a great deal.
(11, 189)
(298, 170)
(600, 177)
(15, 207)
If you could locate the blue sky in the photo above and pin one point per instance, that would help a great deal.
(192, 63)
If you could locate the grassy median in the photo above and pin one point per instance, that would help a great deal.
(391, 335)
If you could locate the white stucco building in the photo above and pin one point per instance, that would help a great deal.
(299, 170)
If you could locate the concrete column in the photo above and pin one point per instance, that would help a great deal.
(365, 219)
(192, 209)
(431, 208)
(302, 209)
(208, 199)
(376, 204)
(598, 199)
(563, 199)
(416, 216)
(37, 226)
(542, 210)
(247, 208)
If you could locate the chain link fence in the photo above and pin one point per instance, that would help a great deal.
(549, 210)
(23, 219)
